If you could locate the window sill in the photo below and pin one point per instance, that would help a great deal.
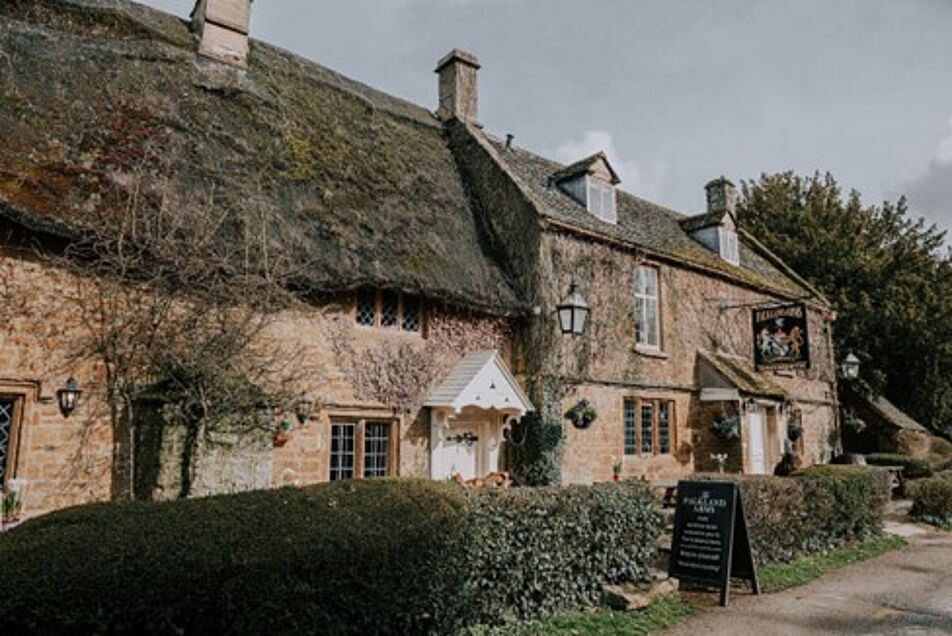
(649, 352)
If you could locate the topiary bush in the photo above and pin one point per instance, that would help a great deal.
(816, 509)
(358, 557)
(932, 500)
(912, 468)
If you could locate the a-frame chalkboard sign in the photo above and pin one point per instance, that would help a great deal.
(711, 543)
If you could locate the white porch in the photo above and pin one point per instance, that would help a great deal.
(470, 410)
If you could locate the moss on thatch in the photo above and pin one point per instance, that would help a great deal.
(101, 98)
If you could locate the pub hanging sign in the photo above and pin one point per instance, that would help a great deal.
(780, 337)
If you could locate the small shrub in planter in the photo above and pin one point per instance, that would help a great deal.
(582, 415)
(932, 500)
(912, 468)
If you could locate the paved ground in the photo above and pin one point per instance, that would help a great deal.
(907, 591)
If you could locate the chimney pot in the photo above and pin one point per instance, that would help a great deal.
(457, 86)
(721, 196)
(223, 26)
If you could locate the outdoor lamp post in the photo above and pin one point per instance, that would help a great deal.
(573, 312)
(849, 368)
(68, 397)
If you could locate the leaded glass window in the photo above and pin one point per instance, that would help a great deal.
(389, 309)
(6, 433)
(367, 309)
(342, 451)
(647, 428)
(411, 313)
(631, 433)
(664, 427)
(376, 449)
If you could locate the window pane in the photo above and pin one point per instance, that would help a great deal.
(651, 318)
(664, 427)
(389, 309)
(641, 331)
(647, 439)
(651, 281)
(6, 432)
(411, 313)
(631, 442)
(366, 308)
(376, 449)
(342, 451)
(594, 199)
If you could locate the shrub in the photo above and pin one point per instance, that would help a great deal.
(343, 557)
(912, 468)
(815, 510)
(941, 446)
(542, 549)
(373, 556)
(932, 500)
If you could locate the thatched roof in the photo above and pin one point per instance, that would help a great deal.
(104, 95)
(647, 226)
(879, 406)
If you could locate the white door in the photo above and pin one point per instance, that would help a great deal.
(461, 456)
(755, 444)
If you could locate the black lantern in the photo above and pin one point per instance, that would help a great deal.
(68, 397)
(849, 368)
(573, 312)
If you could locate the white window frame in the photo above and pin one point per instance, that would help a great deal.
(605, 196)
(643, 302)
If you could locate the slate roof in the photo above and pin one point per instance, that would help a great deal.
(93, 91)
(705, 219)
(582, 166)
(742, 375)
(646, 225)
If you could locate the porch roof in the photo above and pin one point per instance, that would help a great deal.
(739, 373)
(480, 379)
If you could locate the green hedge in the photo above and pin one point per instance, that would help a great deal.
(912, 468)
(814, 510)
(932, 500)
(364, 557)
(542, 549)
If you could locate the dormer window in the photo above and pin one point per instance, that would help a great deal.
(727, 244)
(601, 199)
(591, 182)
(716, 229)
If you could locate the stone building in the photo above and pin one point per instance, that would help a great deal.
(434, 256)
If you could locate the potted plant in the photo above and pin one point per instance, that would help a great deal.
(616, 471)
(582, 414)
(12, 503)
(726, 427)
(720, 459)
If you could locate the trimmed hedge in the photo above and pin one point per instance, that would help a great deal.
(815, 509)
(932, 500)
(912, 468)
(367, 557)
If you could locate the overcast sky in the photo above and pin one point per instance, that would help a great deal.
(676, 92)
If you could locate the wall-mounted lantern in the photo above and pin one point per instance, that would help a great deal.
(849, 368)
(68, 397)
(573, 312)
(750, 405)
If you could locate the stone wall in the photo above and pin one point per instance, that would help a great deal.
(698, 311)
(351, 372)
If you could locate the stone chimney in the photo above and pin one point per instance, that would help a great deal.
(721, 196)
(223, 28)
(458, 90)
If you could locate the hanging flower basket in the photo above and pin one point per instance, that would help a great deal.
(794, 431)
(727, 428)
(581, 415)
(282, 434)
